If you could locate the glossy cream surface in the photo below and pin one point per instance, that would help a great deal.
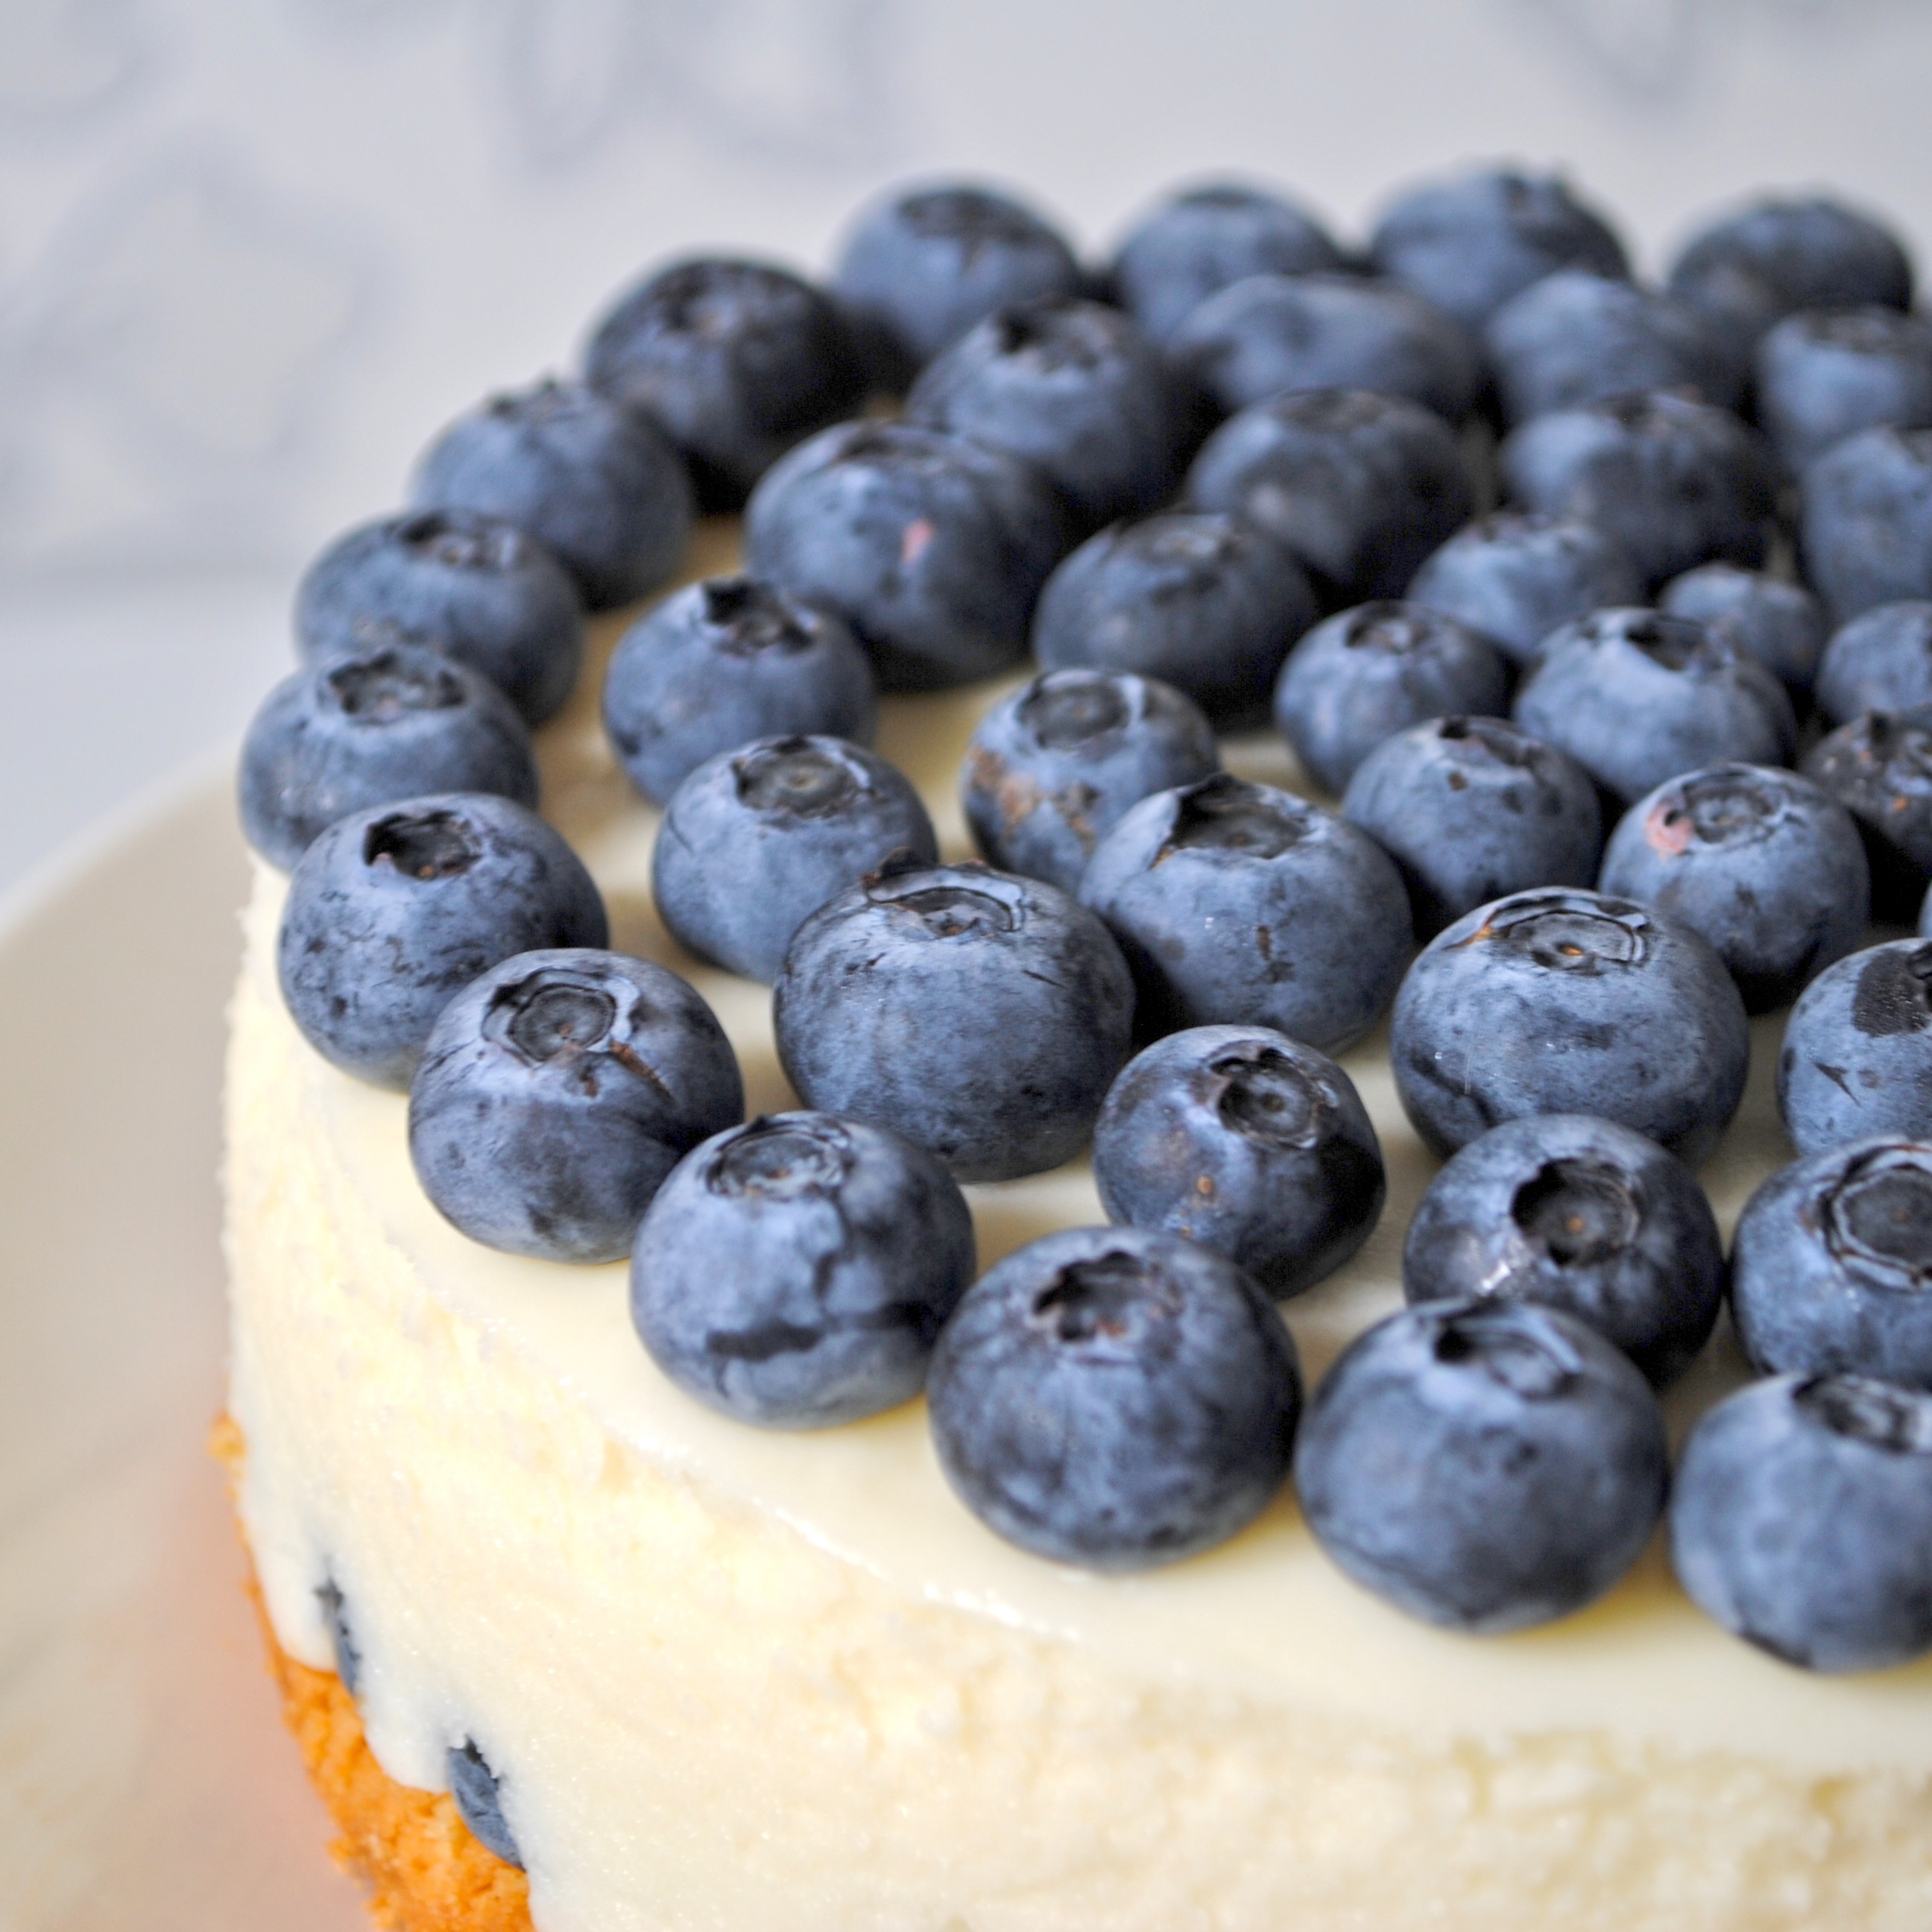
(757, 1682)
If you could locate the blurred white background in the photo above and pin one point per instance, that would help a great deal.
(252, 253)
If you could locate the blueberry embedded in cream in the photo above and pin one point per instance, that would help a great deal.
(479, 1793)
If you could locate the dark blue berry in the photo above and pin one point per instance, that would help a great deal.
(1881, 661)
(1781, 624)
(341, 1636)
(1857, 1057)
(1878, 767)
(1827, 373)
(478, 1794)
(1865, 524)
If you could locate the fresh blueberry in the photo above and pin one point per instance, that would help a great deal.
(919, 269)
(795, 1272)
(722, 662)
(1832, 1266)
(369, 727)
(1206, 239)
(478, 1794)
(592, 481)
(1781, 624)
(1369, 672)
(1857, 1058)
(1761, 862)
(1671, 482)
(341, 1635)
(1206, 604)
(1582, 1215)
(394, 909)
(1578, 337)
(1564, 1002)
(734, 361)
(556, 1091)
(1865, 522)
(1635, 697)
(488, 594)
(1114, 1399)
(1053, 768)
(1825, 374)
(1469, 243)
(1361, 487)
(1881, 661)
(1472, 808)
(1484, 1466)
(1516, 575)
(757, 838)
(1248, 1142)
(1272, 334)
(1236, 904)
(1803, 1521)
(981, 1015)
(932, 549)
(1878, 767)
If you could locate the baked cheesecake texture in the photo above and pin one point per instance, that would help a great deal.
(748, 1682)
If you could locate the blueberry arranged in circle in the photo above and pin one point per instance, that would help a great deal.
(722, 662)
(1248, 1142)
(1781, 624)
(394, 909)
(734, 361)
(1881, 661)
(795, 1272)
(1857, 1057)
(1114, 1399)
(1367, 673)
(1472, 808)
(1053, 768)
(980, 1015)
(1827, 373)
(1573, 1213)
(1865, 521)
(366, 728)
(1559, 1002)
(557, 1090)
(1878, 767)
(1239, 904)
(932, 549)
(1761, 862)
(478, 1795)
(1484, 1465)
(487, 596)
(1204, 602)
(756, 840)
(1802, 1520)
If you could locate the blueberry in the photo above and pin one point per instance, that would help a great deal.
(478, 1794)
(1369, 672)
(593, 481)
(394, 909)
(1827, 373)
(369, 727)
(932, 549)
(1204, 603)
(1204, 239)
(488, 594)
(1865, 521)
(1237, 904)
(722, 662)
(1881, 661)
(1761, 862)
(919, 269)
(1114, 1399)
(1857, 1057)
(1361, 487)
(1671, 482)
(734, 361)
(1578, 336)
(981, 1015)
(1484, 1466)
(1580, 1215)
(1053, 768)
(1564, 1002)
(756, 839)
(1803, 1521)
(1471, 808)
(1781, 624)
(1248, 1142)
(1516, 575)
(1635, 697)
(341, 1635)
(1272, 334)
(556, 1091)
(1471, 242)
(795, 1272)
(1878, 767)
(1073, 389)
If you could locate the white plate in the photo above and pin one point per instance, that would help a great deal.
(146, 1784)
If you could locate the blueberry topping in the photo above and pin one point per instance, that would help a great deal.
(478, 1793)
(341, 1638)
